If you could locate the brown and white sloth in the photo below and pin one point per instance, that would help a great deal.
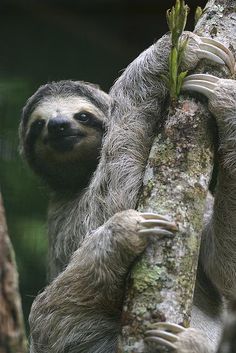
(94, 234)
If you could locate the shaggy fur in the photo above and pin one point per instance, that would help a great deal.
(80, 310)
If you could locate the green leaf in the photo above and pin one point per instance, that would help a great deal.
(174, 62)
(180, 79)
(168, 19)
(182, 47)
(177, 7)
(198, 14)
(176, 19)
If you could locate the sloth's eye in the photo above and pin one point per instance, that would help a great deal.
(37, 126)
(39, 123)
(83, 117)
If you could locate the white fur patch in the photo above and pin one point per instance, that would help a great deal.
(53, 106)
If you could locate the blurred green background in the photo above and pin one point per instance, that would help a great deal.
(41, 41)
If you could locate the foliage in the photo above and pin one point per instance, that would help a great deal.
(176, 19)
(198, 14)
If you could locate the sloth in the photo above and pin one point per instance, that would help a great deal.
(95, 235)
(61, 135)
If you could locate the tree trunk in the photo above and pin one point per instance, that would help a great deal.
(12, 334)
(176, 184)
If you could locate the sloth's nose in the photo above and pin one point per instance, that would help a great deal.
(58, 126)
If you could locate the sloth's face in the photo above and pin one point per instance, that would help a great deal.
(63, 126)
(64, 136)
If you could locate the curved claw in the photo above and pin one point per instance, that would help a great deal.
(202, 83)
(156, 231)
(150, 215)
(159, 223)
(174, 328)
(207, 77)
(154, 224)
(160, 341)
(216, 52)
(163, 334)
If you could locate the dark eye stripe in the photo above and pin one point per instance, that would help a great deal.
(83, 117)
(89, 119)
(36, 127)
(34, 131)
(31, 137)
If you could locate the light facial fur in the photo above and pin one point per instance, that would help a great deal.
(67, 107)
(57, 138)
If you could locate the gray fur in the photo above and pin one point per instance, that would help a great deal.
(219, 243)
(228, 339)
(80, 310)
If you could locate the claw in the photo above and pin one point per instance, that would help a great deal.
(218, 49)
(150, 215)
(163, 334)
(160, 341)
(207, 77)
(156, 231)
(174, 328)
(202, 83)
(155, 224)
(216, 52)
(159, 223)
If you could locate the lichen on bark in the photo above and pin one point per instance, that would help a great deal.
(176, 184)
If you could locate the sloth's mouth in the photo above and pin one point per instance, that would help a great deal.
(63, 143)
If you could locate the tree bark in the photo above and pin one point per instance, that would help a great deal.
(12, 333)
(176, 184)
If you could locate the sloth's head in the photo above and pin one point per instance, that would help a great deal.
(61, 132)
